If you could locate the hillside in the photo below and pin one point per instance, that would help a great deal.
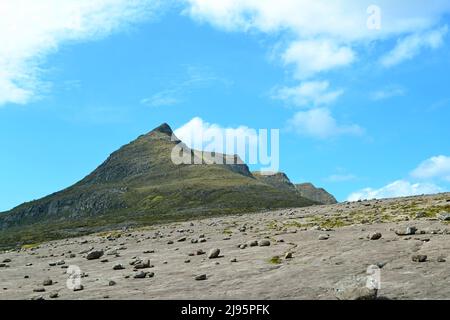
(281, 181)
(140, 185)
(309, 191)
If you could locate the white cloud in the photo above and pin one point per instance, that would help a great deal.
(308, 94)
(319, 123)
(434, 167)
(410, 46)
(399, 188)
(201, 135)
(31, 30)
(388, 92)
(323, 34)
(314, 56)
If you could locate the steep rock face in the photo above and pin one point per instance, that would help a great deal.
(309, 191)
(278, 180)
(140, 183)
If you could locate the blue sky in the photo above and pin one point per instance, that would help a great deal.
(362, 112)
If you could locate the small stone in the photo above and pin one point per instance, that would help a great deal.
(444, 216)
(40, 289)
(150, 274)
(242, 246)
(213, 253)
(78, 287)
(7, 260)
(200, 277)
(118, 267)
(111, 283)
(419, 258)
(140, 275)
(104, 260)
(187, 261)
(441, 259)
(142, 264)
(407, 232)
(48, 282)
(253, 243)
(324, 237)
(182, 239)
(194, 240)
(200, 252)
(264, 243)
(288, 255)
(53, 295)
(94, 255)
(357, 293)
(375, 236)
(170, 242)
(202, 240)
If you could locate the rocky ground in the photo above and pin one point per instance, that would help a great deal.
(320, 252)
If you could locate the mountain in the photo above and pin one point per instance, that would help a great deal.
(278, 180)
(140, 185)
(281, 181)
(309, 191)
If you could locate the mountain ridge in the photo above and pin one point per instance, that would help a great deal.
(138, 184)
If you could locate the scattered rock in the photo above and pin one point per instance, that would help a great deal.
(324, 237)
(288, 255)
(409, 231)
(78, 287)
(7, 260)
(357, 293)
(419, 258)
(233, 260)
(142, 264)
(444, 216)
(54, 295)
(213, 253)
(264, 243)
(201, 277)
(200, 252)
(140, 275)
(441, 259)
(111, 283)
(118, 267)
(253, 243)
(40, 289)
(375, 236)
(182, 239)
(47, 282)
(94, 255)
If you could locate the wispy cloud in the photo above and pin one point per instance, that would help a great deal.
(196, 78)
(32, 30)
(410, 46)
(388, 92)
(341, 177)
